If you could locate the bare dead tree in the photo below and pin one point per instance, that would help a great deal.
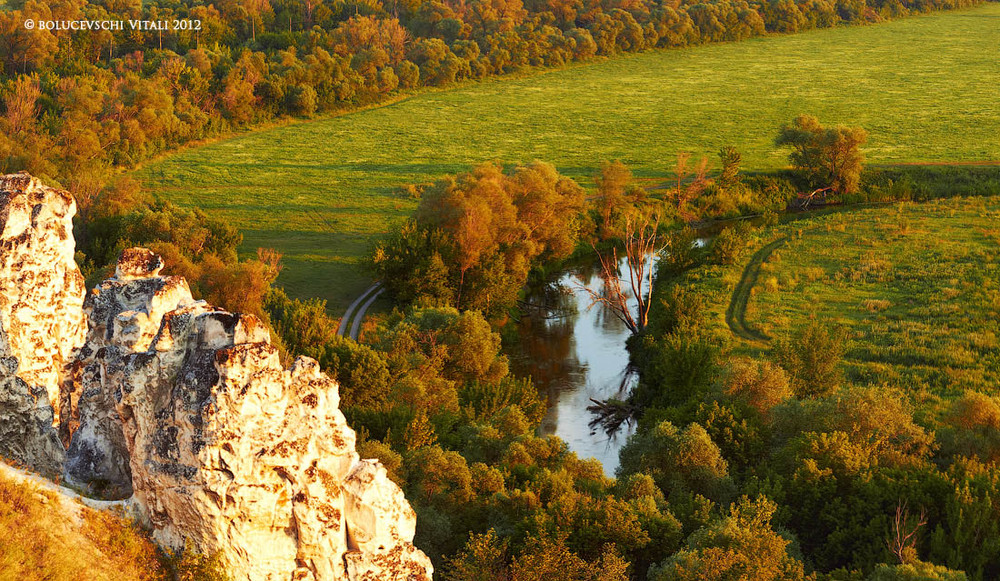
(641, 243)
(902, 538)
(689, 184)
(805, 200)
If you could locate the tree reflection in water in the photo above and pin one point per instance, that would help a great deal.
(575, 355)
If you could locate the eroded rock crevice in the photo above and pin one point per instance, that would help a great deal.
(123, 314)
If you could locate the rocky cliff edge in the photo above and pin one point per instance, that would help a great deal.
(188, 408)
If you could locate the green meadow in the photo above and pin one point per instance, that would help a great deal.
(914, 285)
(926, 89)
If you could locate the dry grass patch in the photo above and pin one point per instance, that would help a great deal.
(875, 305)
(45, 537)
(49, 536)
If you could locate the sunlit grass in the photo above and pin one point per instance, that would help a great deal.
(924, 87)
(41, 540)
(917, 286)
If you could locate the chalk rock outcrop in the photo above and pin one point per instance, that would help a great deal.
(238, 455)
(26, 434)
(377, 517)
(124, 314)
(41, 320)
(187, 406)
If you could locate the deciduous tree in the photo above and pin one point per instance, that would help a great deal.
(827, 156)
(739, 547)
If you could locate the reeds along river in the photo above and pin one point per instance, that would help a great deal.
(575, 352)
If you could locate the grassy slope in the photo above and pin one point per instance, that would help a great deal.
(46, 536)
(924, 87)
(917, 289)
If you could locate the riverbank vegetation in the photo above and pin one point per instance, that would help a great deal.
(475, 237)
(745, 440)
(850, 404)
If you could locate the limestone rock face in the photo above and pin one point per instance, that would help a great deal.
(378, 517)
(377, 511)
(236, 454)
(124, 314)
(41, 320)
(26, 433)
(137, 263)
(188, 407)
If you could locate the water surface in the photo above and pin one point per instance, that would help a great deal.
(574, 351)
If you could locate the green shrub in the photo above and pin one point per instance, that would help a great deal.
(732, 243)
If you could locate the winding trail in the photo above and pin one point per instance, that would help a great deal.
(736, 312)
(346, 319)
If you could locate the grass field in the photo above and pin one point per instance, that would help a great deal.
(915, 285)
(926, 88)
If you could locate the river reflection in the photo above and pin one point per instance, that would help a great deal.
(575, 353)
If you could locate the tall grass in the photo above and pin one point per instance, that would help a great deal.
(42, 538)
(41, 541)
(920, 303)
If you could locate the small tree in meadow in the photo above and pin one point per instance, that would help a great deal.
(812, 359)
(829, 157)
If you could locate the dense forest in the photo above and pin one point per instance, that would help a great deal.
(78, 105)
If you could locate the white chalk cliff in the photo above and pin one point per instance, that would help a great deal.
(124, 314)
(41, 320)
(188, 407)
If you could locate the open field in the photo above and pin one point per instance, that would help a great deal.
(924, 87)
(917, 286)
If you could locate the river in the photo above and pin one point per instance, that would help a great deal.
(575, 352)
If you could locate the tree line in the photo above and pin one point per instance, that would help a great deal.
(75, 106)
(476, 238)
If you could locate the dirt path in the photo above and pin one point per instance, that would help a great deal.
(360, 316)
(736, 313)
(346, 319)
